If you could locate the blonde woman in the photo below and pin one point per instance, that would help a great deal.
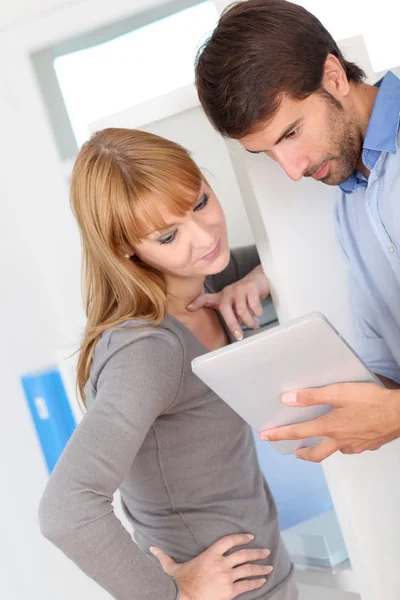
(154, 243)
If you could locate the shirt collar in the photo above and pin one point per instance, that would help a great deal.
(382, 129)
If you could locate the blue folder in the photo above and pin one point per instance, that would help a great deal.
(51, 412)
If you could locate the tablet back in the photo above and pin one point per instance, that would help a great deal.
(251, 375)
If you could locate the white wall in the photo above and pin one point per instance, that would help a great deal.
(17, 11)
(40, 292)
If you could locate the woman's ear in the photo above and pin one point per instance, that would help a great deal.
(127, 252)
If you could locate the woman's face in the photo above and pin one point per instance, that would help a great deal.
(191, 246)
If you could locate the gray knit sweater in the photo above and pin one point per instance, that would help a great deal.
(184, 462)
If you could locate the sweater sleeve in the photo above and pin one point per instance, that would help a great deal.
(242, 261)
(138, 382)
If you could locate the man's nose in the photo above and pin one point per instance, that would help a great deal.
(293, 166)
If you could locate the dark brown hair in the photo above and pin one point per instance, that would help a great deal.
(260, 50)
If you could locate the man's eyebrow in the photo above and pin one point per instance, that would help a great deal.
(281, 137)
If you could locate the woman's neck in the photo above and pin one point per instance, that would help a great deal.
(181, 292)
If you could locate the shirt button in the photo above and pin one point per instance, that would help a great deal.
(391, 249)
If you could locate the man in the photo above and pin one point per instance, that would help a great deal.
(272, 77)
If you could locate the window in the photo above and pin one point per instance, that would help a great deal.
(128, 63)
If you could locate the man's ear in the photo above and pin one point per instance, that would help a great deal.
(334, 79)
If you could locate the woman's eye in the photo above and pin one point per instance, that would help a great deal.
(168, 239)
(203, 202)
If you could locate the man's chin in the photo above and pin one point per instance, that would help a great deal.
(331, 181)
(336, 179)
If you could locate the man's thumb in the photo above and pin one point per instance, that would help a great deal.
(168, 564)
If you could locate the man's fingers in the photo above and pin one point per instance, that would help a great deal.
(168, 564)
(320, 452)
(337, 395)
(307, 429)
(330, 395)
(209, 300)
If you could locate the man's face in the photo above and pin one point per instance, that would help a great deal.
(314, 137)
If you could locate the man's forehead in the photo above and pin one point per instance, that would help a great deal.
(269, 132)
(253, 140)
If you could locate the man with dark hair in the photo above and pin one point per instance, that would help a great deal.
(272, 77)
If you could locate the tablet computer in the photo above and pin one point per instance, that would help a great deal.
(251, 375)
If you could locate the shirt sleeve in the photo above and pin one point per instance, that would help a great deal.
(369, 345)
(76, 511)
(242, 261)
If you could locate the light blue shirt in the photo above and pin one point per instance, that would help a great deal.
(368, 228)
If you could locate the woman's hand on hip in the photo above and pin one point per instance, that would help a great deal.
(213, 574)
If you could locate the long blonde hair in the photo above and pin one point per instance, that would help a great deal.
(120, 181)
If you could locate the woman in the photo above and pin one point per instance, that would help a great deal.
(154, 240)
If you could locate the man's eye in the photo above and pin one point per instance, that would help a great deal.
(292, 134)
(168, 239)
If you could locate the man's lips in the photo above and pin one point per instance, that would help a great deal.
(323, 171)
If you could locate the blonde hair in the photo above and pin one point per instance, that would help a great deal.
(120, 181)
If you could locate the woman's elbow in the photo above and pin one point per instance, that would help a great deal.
(55, 519)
